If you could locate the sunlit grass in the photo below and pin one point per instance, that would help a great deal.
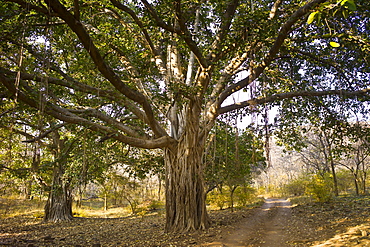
(10, 207)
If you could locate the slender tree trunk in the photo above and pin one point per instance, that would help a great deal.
(232, 190)
(159, 188)
(335, 180)
(355, 180)
(105, 202)
(364, 182)
(364, 177)
(79, 199)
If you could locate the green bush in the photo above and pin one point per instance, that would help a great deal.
(296, 187)
(320, 188)
(217, 199)
(245, 195)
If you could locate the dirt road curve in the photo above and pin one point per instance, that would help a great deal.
(265, 227)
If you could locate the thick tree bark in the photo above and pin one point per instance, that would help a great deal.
(59, 204)
(185, 192)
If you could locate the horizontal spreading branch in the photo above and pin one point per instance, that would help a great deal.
(278, 97)
(27, 5)
(46, 133)
(69, 117)
(81, 87)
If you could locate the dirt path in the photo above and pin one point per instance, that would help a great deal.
(265, 227)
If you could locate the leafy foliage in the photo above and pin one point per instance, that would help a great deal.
(155, 75)
(232, 157)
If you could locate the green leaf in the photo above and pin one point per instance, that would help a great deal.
(350, 4)
(311, 17)
(334, 44)
(345, 13)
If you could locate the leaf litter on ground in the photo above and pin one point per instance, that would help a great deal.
(344, 221)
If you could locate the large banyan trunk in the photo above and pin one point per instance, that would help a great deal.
(59, 204)
(185, 194)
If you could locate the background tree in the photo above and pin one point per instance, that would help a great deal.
(155, 75)
(231, 158)
(356, 158)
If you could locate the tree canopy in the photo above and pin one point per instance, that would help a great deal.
(156, 74)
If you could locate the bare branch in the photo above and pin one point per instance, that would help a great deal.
(274, 9)
(76, 10)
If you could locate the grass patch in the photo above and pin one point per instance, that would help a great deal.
(300, 200)
(20, 207)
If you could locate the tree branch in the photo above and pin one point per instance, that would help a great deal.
(158, 20)
(76, 9)
(35, 139)
(283, 33)
(67, 116)
(29, 6)
(107, 71)
(184, 33)
(157, 55)
(137, 21)
(71, 83)
(224, 28)
(277, 97)
(107, 119)
(274, 9)
(322, 61)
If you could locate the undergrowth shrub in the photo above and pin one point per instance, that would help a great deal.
(155, 205)
(320, 188)
(296, 187)
(217, 199)
(245, 195)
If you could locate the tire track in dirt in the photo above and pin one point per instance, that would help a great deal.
(267, 227)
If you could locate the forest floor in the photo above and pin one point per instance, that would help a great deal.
(345, 221)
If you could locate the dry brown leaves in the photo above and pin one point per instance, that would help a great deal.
(342, 222)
